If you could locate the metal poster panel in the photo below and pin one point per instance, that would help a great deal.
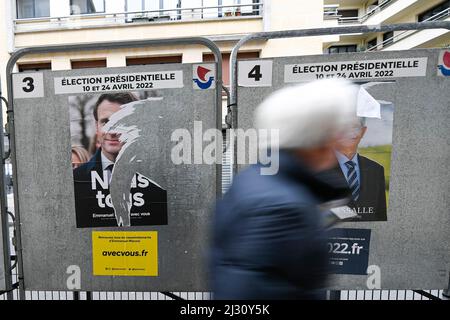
(105, 203)
(398, 151)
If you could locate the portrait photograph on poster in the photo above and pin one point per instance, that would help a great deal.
(100, 138)
(364, 153)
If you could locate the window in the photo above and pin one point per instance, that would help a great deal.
(138, 6)
(372, 8)
(81, 64)
(33, 8)
(86, 6)
(388, 38)
(153, 60)
(434, 11)
(342, 49)
(143, 5)
(372, 43)
(349, 13)
(251, 11)
(37, 66)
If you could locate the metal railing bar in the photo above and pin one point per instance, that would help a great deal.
(124, 13)
(359, 19)
(173, 17)
(425, 294)
(381, 6)
(172, 296)
(441, 15)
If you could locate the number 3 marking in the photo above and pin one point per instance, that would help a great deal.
(29, 84)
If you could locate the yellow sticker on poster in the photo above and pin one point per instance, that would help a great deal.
(125, 253)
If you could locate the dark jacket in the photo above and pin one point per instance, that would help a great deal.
(371, 203)
(269, 240)
(92, 212)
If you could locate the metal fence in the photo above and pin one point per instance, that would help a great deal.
(227, 177)
(366, 295)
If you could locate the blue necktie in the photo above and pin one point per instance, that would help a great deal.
(109, 170)
(352, 178)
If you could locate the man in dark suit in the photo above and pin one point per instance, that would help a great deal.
(93, 204)
(364, 177)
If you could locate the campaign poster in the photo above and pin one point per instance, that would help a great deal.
(363, 153)
(121, 253)
(96, 151)
(348, 250)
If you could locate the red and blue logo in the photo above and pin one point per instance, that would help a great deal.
(445, 66)
(203, 77)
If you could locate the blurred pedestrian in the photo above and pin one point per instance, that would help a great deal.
(268, 230)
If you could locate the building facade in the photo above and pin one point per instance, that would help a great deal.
(376, 12)
(58, 22)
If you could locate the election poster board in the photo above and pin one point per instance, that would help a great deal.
(364, 154)
(107, 200)
(95, 153)
(396, 233)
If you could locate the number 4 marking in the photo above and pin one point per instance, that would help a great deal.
(255, 73)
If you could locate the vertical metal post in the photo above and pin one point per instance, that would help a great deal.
(18, 247)
(335, 295)
(4, 211)
(255, 9)
(446, 292)
(179, 10)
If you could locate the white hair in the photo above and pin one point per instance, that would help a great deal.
(308, 115)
